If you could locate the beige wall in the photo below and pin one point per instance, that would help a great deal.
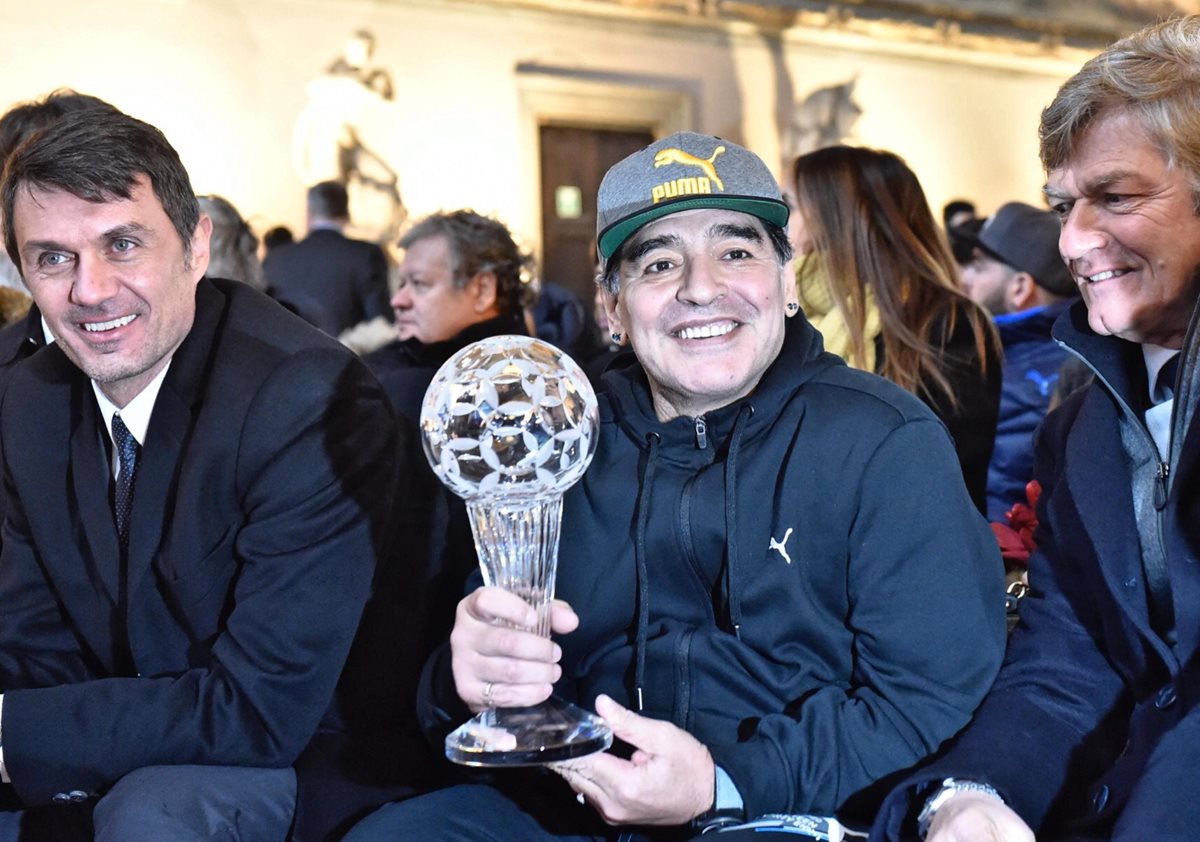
(225, 80)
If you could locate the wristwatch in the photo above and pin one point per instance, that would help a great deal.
(949, 787)
(728, 808)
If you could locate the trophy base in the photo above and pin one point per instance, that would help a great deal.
(547, 733)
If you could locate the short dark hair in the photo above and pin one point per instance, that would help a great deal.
(329, 200)
(955, 207)
(610, 278)
(278, 236)
(477, 244)
(97, 155)
(20, 121)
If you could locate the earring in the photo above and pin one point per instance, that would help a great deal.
(616, 337)
(792, 306)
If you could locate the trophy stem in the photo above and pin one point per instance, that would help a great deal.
(517, 543)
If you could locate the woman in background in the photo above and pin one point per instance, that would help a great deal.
(865, 232)
(233, 249)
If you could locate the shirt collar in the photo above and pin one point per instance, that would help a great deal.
(136, 413)
(1155, 356)
(46, 331)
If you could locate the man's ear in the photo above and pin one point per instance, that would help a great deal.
(615, 325)
(1022, 292)
(483, 286)
(199, 248)
(791, 291)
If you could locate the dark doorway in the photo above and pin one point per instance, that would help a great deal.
(574, 160)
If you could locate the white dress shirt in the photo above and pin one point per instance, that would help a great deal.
(1158, 417)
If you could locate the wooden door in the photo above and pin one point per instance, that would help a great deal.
(573, 161)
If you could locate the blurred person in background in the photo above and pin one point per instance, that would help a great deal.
(333, 281)
(233, 246)
(279, 235)
(863, 215)
(957, 212)
(1016, 273)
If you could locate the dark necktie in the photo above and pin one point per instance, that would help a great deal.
(128, 452)
(1164, 385)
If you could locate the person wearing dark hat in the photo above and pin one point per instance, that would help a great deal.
(1015, 271)
(732, 565)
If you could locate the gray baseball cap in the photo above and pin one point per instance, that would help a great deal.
(1026, 238)
(683, 172)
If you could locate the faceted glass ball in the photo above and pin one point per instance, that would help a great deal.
(509, 416)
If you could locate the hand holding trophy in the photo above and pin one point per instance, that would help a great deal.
(509, 424)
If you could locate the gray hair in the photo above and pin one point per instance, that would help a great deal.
(233, 248)
(1152, 75)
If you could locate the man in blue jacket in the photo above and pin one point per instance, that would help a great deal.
(1016, 273)
(1092, 730)
(735, 568)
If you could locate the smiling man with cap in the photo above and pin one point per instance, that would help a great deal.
(729, 565)
(1016, 272)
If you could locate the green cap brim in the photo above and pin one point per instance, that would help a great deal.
(769, 210)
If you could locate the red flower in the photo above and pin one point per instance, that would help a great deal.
(1012, 545)
(1016, 538)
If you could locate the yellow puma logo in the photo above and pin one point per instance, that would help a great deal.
(666, 157)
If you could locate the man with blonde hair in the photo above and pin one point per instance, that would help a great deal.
(1092, 729)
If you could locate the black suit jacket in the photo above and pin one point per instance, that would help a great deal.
(259, 514)
(331, 280)
(18, 341)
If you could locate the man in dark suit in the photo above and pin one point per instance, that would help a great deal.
(22, 338)
(198, 490)
(331, 280)
(1092, 729)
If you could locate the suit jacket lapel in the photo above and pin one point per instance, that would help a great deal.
(168, 433)
(90, 476)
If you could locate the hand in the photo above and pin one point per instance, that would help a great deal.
(492, 645)
(669, 780)
(977, 817)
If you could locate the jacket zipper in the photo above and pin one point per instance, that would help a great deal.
(1160, 487)
(1162, 473)
(701, 433)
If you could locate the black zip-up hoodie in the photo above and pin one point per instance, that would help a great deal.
(799, 578)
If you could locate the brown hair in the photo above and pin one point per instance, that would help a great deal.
(97, 155)
(872, 227)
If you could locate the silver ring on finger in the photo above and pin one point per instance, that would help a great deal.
(488, 687)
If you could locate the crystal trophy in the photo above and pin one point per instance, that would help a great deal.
(509, 424)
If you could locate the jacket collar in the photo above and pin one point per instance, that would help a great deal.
(1117, 362)
(1030, 325)
(433, 354)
